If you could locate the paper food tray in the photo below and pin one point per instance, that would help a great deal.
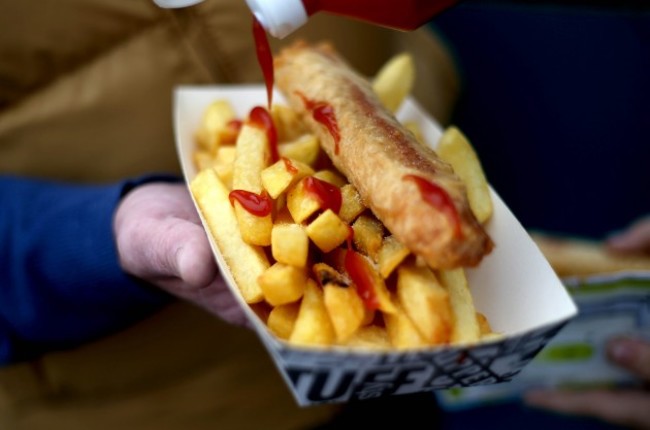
(514, 287)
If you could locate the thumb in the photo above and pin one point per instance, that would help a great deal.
(159, 249)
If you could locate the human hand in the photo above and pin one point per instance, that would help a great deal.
(161, 241)
(626, 407)
(635, 239)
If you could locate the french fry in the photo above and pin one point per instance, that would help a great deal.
(214, 125)
(330, 176)
(368, 235)
(246, 262)
(203, 159)
(301, 204)
(483, 324)
(351, 204)
(394, 81)
(369, 284)
(401, 331)
(466, 328)
(345, 309)
(313, 325)
(282, 283)
(425, 302)
(282, 174)
(282, 319)
(287, 123)
(223, 164)
(414, 128)
(250, 159)
(305, 149)
(290, 244)
(391, 254)
(370, 337)
(327, 231)
(457, 151)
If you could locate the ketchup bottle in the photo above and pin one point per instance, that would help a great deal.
(282, 17)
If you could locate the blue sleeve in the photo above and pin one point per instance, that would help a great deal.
(60, 280)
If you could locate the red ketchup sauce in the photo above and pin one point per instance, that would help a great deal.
(358, 270)
(256, 204)
(261, 118)
(328, 195)
(289, 166)
(264, 57)
(323, 113)
(439, 199)
(229, 135)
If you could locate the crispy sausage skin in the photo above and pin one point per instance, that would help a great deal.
(415, 194)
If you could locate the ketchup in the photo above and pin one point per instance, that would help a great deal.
(264, 57)
(323, 113)
(401, 15)
(439, 199)
(261, 118)
(328, 195)
(230, 133)
(360, 273)
(289, 166)
(256, 204)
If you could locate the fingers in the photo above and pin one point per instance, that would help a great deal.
(158, 236)
(635, 239)
(160, 239)
(628, 408)
(193, 260)
(631, 354)
(218, 299)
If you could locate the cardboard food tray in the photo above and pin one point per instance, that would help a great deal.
(514, 287)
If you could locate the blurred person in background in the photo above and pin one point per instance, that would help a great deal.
(555, 98)
(99, 234)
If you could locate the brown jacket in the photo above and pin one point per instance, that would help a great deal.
(86, 95)
(86, 85)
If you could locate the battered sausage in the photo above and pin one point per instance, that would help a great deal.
(414, 193)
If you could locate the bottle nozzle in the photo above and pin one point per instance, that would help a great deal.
(279, 17)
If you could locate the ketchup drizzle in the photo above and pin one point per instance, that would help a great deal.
(264, 58)
(289, 166)
(261, 118)
(439, 199)
(324, 113)
(358, 270)
(328, 195)
(256, 204)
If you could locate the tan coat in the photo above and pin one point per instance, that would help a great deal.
(86, 95)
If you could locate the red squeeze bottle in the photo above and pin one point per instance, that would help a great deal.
(281, 17)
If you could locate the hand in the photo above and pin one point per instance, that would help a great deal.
(161, 241)
(627, 407)
(635, 239)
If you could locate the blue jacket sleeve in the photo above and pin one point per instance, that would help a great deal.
(60, 281)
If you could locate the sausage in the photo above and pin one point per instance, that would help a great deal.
(407, 186)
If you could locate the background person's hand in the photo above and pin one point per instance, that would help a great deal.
(627, 407)
(633, 240)
(161, 241)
